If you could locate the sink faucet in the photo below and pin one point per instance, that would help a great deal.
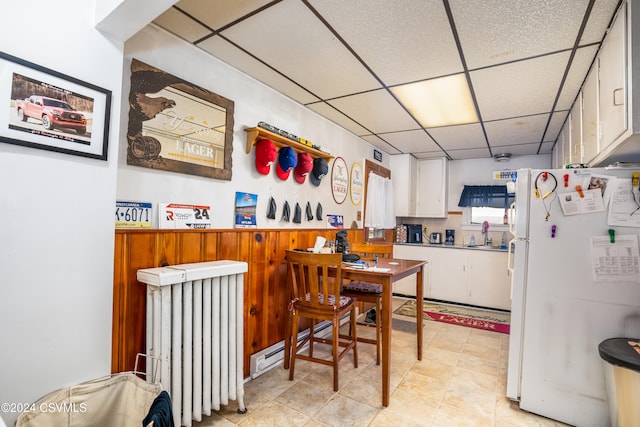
(485, 231)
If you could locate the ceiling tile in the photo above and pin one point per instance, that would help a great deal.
(337, 117)
(219, 13)
(497, 31)
(459, 137)
(598, 21)
(292, 40)
(429, 155)
(181, 25)
(410, 141)
(579, 67)
(471, 153)
(376, 110)
(547, 147)
(518, 149)
(506, 91)
(377, 142)
(557, 121)
(226, 52)
(521, 130)
(421, 27)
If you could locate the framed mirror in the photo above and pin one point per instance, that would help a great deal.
(177, 126)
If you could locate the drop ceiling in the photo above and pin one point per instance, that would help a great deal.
(524, 60)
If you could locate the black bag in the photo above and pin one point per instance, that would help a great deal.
(342, 243)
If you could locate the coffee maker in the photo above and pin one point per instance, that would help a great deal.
(449, 237)
(414, 233)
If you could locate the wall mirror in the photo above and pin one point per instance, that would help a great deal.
(177, 126)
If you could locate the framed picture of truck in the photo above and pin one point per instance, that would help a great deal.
(52, 111)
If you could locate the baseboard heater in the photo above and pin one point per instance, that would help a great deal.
(270, 357)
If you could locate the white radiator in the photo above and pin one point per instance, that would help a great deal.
(195, 328)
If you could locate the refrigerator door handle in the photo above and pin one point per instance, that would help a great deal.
(510, 266)
(512, 225)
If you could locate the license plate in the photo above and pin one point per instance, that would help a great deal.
(133, 214)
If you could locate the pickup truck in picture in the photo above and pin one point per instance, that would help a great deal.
(53, 113)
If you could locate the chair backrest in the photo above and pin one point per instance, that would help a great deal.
(383, 250)
(309, 274)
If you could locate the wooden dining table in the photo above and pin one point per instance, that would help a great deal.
(386, 272)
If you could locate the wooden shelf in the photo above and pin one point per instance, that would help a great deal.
(255, 134)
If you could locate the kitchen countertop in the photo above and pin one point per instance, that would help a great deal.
(473, 248)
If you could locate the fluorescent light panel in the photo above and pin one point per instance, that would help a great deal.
(439, 102)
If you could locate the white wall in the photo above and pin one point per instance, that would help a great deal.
(254, 102)
(56, 219)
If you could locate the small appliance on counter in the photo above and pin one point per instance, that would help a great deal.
(449, 237)
(401, 233)
(436, 238)
(414, 233)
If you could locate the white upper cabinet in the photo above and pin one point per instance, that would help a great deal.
(609, 130)
(590, 128)
(433, 182)
(576, 130)
(613, 91)
(565, 141)
(404, 179)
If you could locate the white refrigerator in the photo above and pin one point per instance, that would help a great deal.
(567, 293)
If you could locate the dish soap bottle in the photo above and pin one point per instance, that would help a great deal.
(503, 243)
(472, 241)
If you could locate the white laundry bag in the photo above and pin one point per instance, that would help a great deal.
(120, 400)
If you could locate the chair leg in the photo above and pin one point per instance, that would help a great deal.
(294, 345)
(354, 337)
(334, 345)
(287, 341)
(312, 329)
(378, 329)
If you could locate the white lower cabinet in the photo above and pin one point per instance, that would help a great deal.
(468, 276)
(449, 276)
(489, 281)
(407, 286)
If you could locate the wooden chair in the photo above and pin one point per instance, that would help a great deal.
(369, 292)
(316, 296)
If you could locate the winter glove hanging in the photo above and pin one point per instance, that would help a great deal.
(308, 212)
(286, 212)
(297, 215)
(271, 211)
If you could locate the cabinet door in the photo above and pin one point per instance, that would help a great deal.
(590, 116)
(489, 281)
(404, 179)
(565, 137)
(407, 286)
(449, 274)
(576, 130)
(558, 154)
(613, 82)
(432, 188)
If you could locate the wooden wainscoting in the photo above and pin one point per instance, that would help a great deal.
(265, 291)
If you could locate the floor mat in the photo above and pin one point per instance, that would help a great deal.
(496, 321)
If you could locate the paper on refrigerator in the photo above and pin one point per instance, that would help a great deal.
(623, 207)
(615, 262)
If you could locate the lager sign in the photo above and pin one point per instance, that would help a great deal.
(179, 216)
(339, 180)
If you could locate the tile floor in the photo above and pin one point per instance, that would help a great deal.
(460, 381)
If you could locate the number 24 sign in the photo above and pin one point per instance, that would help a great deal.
(178, 216)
